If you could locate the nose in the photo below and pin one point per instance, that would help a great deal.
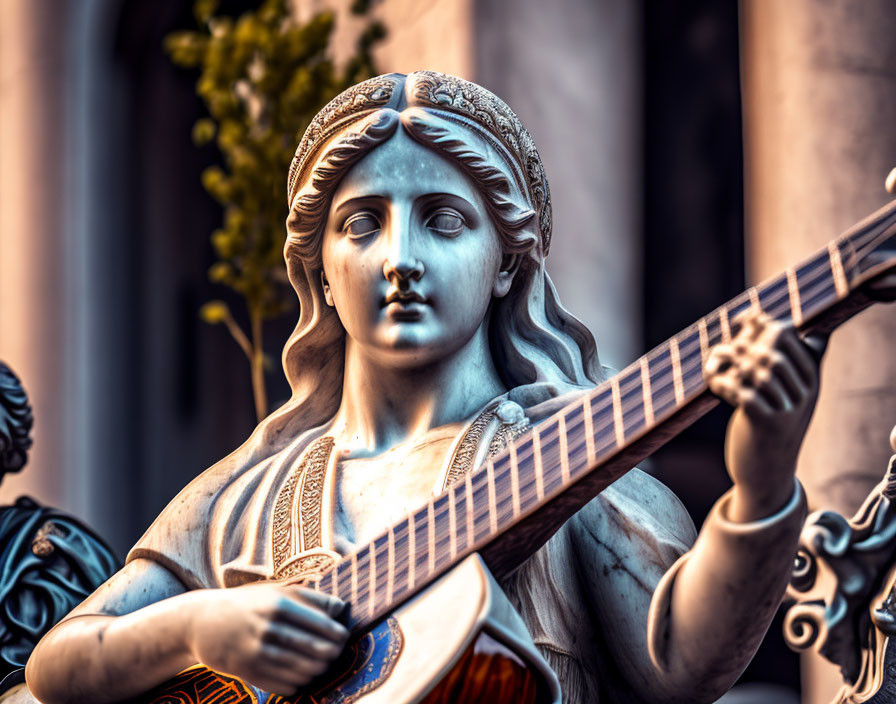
(400, 266)
(403, 271)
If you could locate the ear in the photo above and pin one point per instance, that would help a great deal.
(510, 263)
(328, 296)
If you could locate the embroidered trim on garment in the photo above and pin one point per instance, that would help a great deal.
(313, 464)
(463, 460)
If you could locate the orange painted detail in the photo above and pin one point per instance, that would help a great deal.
(487, 673)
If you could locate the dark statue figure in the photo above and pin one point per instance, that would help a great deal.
(844, 589)
(49, 561)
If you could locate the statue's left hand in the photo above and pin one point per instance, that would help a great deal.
(770, 374)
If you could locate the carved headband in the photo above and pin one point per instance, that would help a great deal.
(446, 93)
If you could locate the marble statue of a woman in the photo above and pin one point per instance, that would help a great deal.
(429, 335)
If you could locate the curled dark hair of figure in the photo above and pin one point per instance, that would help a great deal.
(15, 422)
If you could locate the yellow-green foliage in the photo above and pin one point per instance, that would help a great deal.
(263, 77)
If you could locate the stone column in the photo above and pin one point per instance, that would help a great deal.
(571, 69)
(819, 89)
(33, 282)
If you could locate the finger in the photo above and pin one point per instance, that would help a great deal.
(311, 619)
(782, 369)
(720, 359)
(796, 351)
(277, 658)
(817, 344)
(292, 639)
(327, 603)
(750, 323)
(726, 387)
(753, 404)
(772, 390)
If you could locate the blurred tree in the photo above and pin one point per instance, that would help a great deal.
(263, 77)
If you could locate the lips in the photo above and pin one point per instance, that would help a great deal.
(395, 295)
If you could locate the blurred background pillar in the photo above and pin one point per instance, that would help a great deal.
(571, 69)
(819, 94)
(33, 285)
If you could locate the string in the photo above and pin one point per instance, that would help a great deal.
(526, 488)
(813, 288)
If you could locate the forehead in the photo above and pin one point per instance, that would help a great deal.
(403, 169)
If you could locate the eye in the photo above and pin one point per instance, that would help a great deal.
(361, 224)
(446, 222)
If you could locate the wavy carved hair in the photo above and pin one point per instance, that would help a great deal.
(533, 339)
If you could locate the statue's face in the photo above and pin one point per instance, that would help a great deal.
(411, 259)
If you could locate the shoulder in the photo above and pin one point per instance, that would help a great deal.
(217, 531)
(637, 515)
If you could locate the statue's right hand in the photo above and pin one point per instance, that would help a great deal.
(273, 636)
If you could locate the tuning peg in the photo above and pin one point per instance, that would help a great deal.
(891, 182)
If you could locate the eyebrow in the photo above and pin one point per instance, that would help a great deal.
(350, 205)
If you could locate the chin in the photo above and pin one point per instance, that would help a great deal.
(408, 348)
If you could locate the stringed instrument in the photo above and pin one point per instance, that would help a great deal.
(445, 557)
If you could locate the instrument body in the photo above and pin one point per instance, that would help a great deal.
(458, 641)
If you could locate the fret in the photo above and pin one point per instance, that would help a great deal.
(458, 493)
(430, 540)
(704, 340)
(735, 310)
(773, 297)
(841, 285)
(371, 589)
(482, 520)
(812, 277)
(645, 391)
(589, 429)
(725, 324)
(793, 290)
(401, 560)
(851, 262)
(452, 525)
(754, 299)
(604, 429)
(551, 458)
(390, 566)
(661, 382)
(676, 370)
(381, 555)
(334, 585)
(412, 552)
(618, 426)
(631, 400)
(526, 472)
(816, 284)
(343, 579)
(539, 468)
(492, 503)
(420, 556)
(514, 479)
(564, 450)
(325, 584)
(469, 509)
(441, 528)
(714, 331)
(503, 494)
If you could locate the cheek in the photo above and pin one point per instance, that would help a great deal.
(471, 282)
(351, 276)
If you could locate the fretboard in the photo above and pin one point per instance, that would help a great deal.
(607, 422)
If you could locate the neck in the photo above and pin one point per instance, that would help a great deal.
(384, 405)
